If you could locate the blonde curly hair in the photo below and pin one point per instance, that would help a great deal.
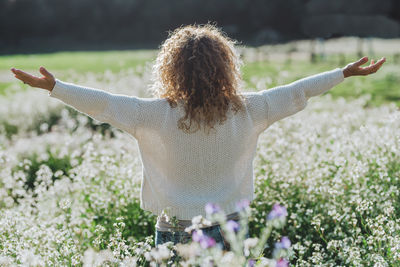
(199, 66)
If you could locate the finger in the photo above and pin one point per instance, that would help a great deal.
(372, 68)
(377, 66)
(23, 74)
(16, 71)
(361, 61)
(25, 77)
(38, 82)
(372, 62)
(46, 73)
(20, 78)
(381, 61)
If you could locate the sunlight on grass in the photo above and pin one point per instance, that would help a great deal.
(79, 61)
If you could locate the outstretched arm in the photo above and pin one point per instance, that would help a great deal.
(121, 111)
(286, 100)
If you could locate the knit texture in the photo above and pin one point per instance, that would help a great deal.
(186, 171)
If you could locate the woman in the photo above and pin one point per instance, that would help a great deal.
(197, 81)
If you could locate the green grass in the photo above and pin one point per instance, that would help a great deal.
(79, 61)
(382, 86)
(4, 86)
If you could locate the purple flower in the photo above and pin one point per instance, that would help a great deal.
(242, 204)
(251, 263)
(277, 212)
(282, 263)
(197, 235)
(232, 226)
(212, 208)
(207, 242)
(204, 240)
(284, 244)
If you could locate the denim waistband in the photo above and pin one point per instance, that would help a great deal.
(163, 225)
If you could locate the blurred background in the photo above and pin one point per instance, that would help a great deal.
(53, 25)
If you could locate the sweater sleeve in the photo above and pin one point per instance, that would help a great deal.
(121, 111)
(286, 100)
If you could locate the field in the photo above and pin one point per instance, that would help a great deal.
(69, 185)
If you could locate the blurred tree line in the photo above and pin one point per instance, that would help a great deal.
(33, 24)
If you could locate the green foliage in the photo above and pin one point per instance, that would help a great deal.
(4, 87)
(103, 128)
(316, 225)
(139, 224)
(52, 118)
(10, 129)
(30, 164)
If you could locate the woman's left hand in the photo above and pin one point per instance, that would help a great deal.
(355, 69)
(46, 82)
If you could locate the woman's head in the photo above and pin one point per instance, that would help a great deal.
(199, 66)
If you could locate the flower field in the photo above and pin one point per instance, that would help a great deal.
(70, 185)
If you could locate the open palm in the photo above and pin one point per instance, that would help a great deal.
(355, 69)
(46, 82)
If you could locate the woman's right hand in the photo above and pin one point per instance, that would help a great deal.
(46, 82)
(355, 69)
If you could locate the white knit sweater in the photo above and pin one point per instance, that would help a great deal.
(185, 171)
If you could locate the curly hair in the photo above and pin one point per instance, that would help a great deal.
(199, 66)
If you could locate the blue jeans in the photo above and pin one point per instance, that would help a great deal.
(184, 237)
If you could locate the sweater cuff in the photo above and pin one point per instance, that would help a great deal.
(58, 90)
(338, 75)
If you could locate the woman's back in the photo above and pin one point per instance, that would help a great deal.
(186, 170)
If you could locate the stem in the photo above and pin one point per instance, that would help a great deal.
(260, 245)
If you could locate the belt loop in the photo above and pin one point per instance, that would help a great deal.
(226, 243)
